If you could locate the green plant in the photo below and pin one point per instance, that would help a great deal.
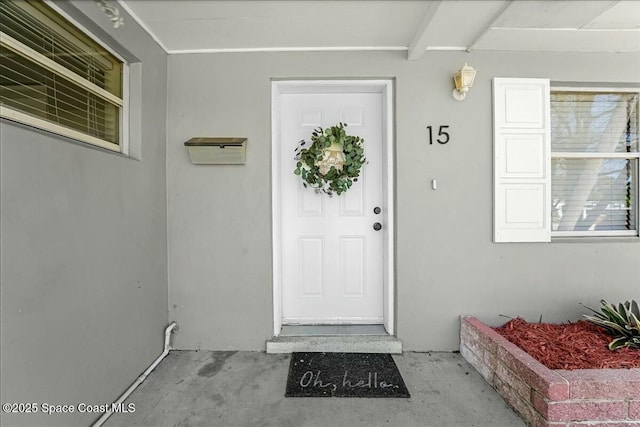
(327, 145)
(621, 321)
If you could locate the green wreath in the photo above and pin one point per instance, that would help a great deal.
(333, 161)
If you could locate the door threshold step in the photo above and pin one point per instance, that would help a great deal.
(335, 344)
(330, 330)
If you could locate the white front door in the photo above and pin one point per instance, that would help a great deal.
(332, 258)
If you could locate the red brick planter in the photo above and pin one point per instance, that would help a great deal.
(544, 397)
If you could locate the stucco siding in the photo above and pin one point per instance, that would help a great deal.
(220, 287)
(83, 253)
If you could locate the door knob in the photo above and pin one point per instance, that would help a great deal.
(377, 226)
(377, 210)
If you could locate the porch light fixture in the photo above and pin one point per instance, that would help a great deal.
(463, 80)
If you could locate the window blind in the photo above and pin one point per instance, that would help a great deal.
(594, 161)
(52, 71)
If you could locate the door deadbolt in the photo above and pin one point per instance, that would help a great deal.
(377, 210)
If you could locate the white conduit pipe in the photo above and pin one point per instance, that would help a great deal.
(141, 378)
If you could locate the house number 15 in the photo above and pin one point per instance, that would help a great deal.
(443, 135)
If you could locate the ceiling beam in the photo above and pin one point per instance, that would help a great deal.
(421, 39)
(609, 6)
(488, 27)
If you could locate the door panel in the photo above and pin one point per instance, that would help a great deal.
(332, 258)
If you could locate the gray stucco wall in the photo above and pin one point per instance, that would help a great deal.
(83, 253)
(220, 288)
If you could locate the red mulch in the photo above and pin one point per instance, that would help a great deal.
(579, 345)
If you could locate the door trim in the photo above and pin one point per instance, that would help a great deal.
(386, 88)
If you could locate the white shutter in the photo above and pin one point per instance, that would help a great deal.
(522, 158)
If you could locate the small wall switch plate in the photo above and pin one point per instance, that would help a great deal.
(434, 184)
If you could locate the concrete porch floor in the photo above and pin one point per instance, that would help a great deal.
(246, 389)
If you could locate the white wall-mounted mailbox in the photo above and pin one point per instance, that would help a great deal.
(217, 151)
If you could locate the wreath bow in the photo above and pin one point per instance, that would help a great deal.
(333, 161)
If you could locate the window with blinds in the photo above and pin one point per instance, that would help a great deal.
(594, 163)
(56, 77)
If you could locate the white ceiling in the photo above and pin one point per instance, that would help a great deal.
(187, 26)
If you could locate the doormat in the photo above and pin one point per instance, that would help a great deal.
(344, 375)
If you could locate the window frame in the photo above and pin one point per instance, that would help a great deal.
(633, 156)
(42, 124)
